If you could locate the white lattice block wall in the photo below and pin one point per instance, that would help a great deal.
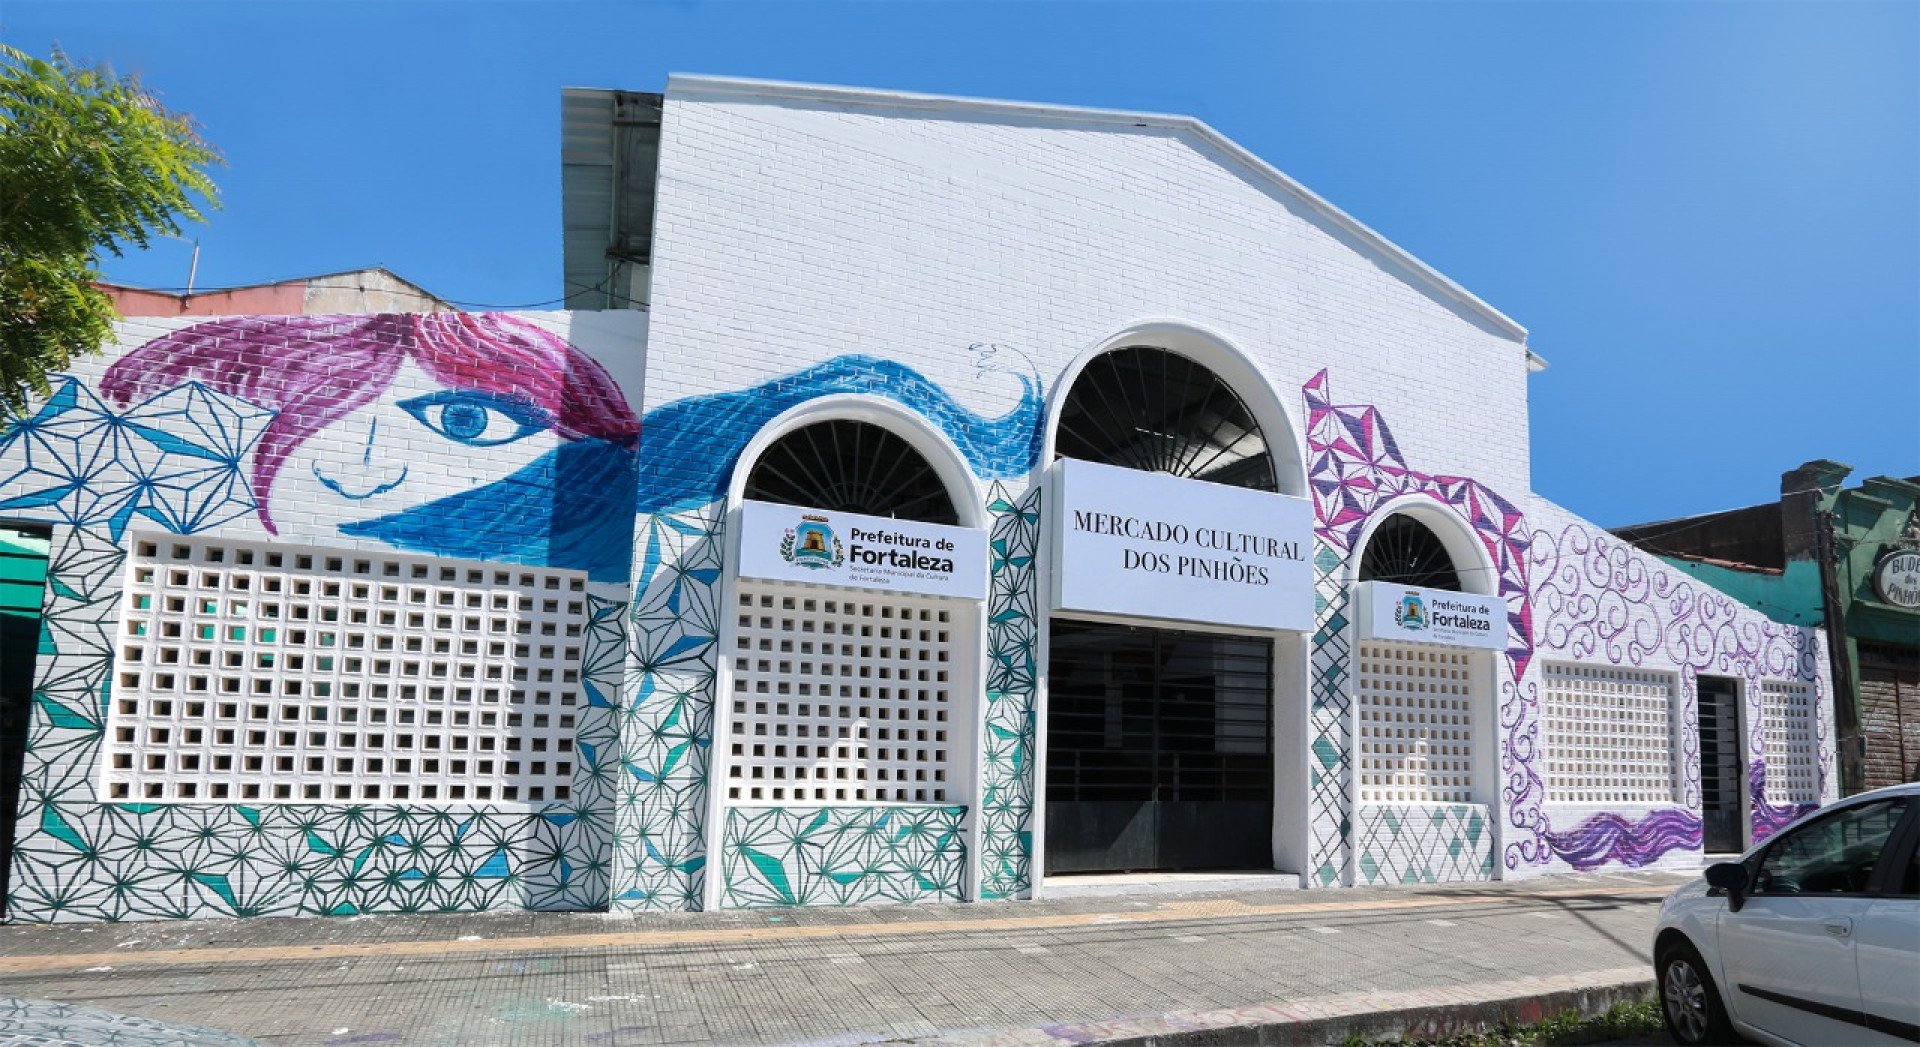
(1415, 709)
(1786, 721)
(1609, 734)
(254, 672)
(841, 696)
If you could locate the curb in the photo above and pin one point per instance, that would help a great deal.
(1419, 1015)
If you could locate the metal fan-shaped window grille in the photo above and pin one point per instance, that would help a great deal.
(1407, 552)
(851, 467)
(1150, 409)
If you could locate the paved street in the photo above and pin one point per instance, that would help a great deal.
(1052, 972)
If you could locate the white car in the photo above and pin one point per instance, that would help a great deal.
(1813, 937)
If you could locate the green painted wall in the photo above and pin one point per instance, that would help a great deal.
(23, 572)
(1792, 597)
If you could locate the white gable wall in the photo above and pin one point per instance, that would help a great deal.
(790, 233)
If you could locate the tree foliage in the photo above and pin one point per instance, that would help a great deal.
(89, 162)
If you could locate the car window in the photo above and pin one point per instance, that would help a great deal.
(1906, 882)
(1834, 855)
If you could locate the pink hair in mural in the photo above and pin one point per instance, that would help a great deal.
(315, 370)
(502, 379)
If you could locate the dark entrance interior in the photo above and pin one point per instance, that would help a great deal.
(23, 574)
(1159, 750)
(1720, 775)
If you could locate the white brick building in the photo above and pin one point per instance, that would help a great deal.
(1339, 638)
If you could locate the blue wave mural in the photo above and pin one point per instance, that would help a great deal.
(688, 448)
(572, 508)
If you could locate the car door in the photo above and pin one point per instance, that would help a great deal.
(1789, 953)
(1887, 942)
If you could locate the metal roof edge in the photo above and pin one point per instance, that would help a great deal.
(749, 89)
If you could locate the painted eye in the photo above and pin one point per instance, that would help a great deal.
(477, 419)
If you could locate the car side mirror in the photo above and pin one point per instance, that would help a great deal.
(1729, 878)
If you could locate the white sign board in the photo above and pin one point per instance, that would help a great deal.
(1151, 545)
(1897, 579)
(793, 544)
(1409, 612)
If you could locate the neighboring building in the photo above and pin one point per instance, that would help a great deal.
(1847, 559)
(355, 291)
(990, 496)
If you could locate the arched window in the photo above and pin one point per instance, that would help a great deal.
(851, 467)
(1405, 551)
(1158, 411)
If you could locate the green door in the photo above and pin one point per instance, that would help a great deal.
(23, 582)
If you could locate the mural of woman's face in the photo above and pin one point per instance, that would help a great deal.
(404, 449)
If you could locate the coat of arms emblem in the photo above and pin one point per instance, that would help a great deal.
(812, 544)
(1410, 612)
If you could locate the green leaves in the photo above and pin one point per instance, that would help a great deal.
(89, 162)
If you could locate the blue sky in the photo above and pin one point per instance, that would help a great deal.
(1707, 214)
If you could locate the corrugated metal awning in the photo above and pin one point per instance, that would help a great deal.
(609, 157)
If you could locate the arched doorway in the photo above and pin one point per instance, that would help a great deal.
(1159, 739)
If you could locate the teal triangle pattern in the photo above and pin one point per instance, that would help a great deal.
(1013, 638)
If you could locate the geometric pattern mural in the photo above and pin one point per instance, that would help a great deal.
(571, 864)
(177, 456)
(1329, 821)
(785, 856)
(78, 859)
(668, 708)
(1577, 592)
(692, 447)
(174, 459)
(1354, 466)
(1425, 843)
(631, 834)
(1007, 782)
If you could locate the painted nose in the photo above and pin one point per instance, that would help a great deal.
(367, 478)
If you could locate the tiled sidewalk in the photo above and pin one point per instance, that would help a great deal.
(1086, 970)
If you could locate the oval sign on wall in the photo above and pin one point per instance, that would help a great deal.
(1897, 578)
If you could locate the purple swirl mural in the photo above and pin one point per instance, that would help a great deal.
(1768, 818)
(1598, 597)
(1582, 594)
(1609, 837)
